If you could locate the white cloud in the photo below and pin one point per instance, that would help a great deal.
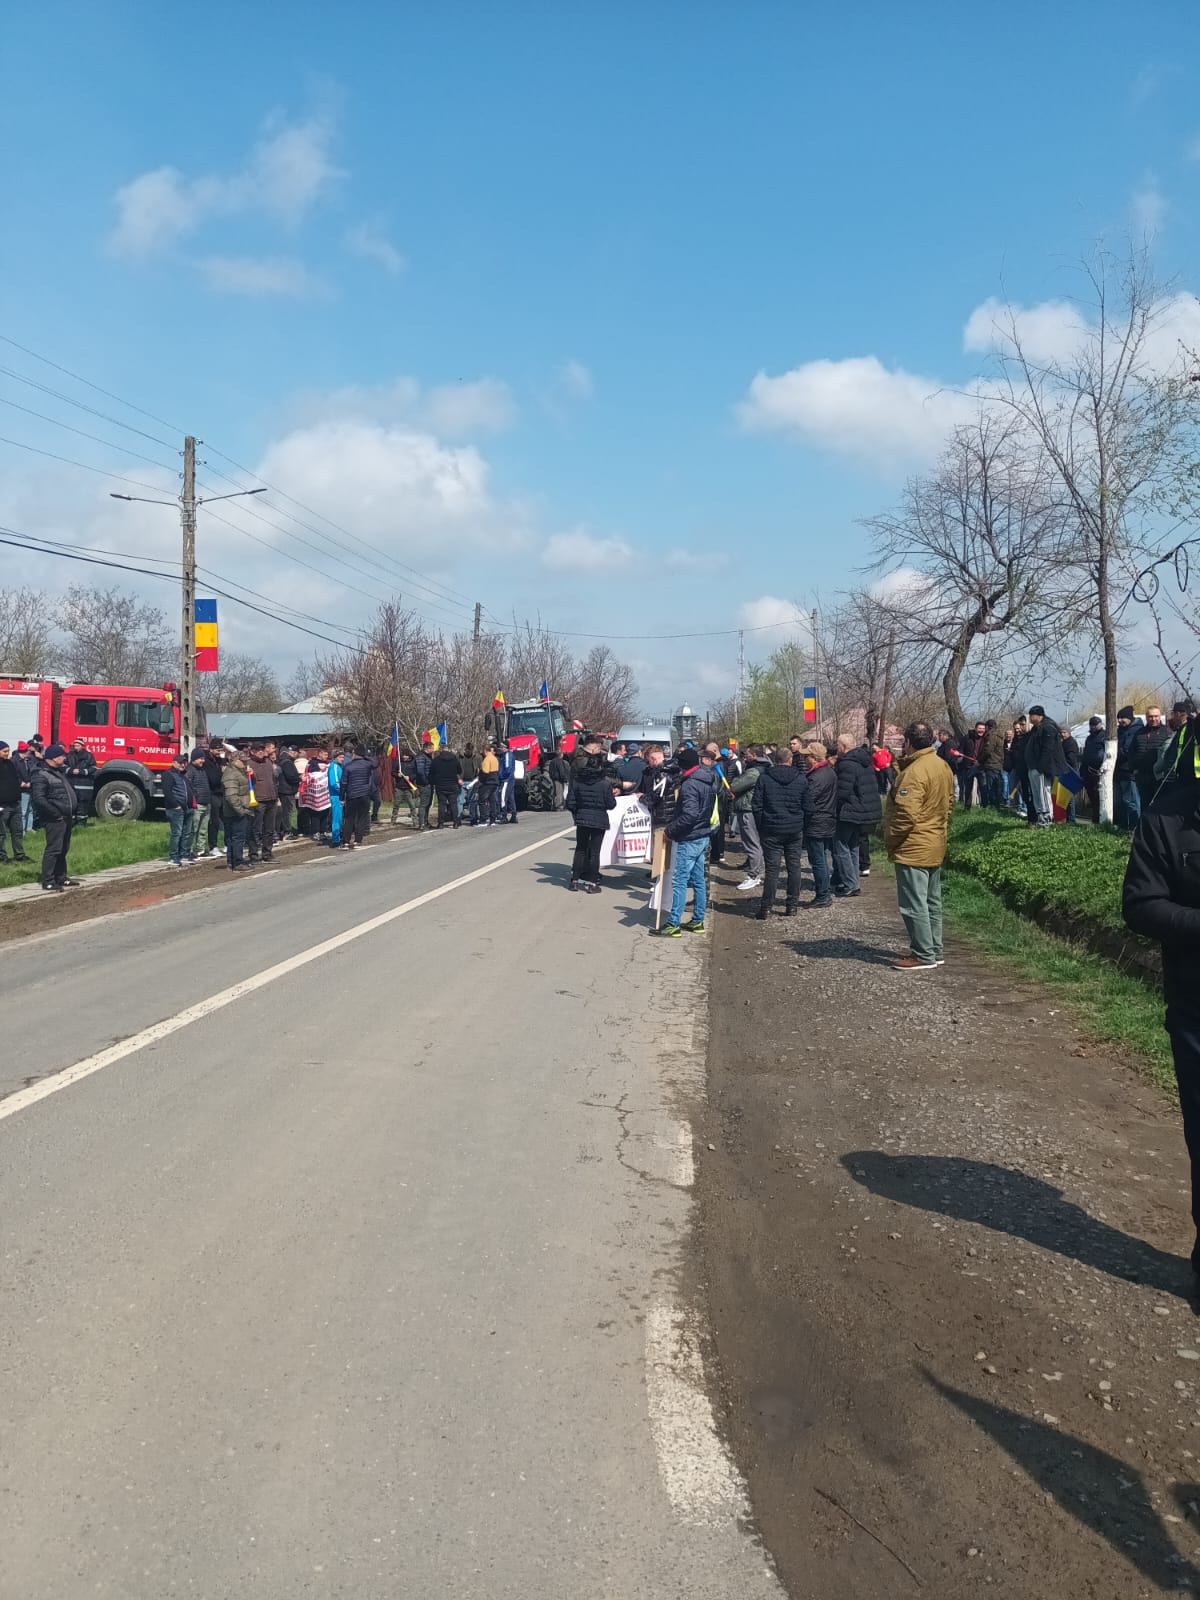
(1149, 208)
(783, 618)
(452, 410)
(695, 560)
(259, 277)
(578, 551)
(904, 585)
(368, 240)
(287, 172)
(857, 406)
(1053, 330)
(575, 381)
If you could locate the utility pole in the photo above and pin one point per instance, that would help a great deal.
(477, 630)
(816, 638)
(741, 686)
(887, 689)
(187, 518)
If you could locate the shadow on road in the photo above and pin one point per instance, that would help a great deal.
(1095, 1488)
(843, 949)
(1011, 1202)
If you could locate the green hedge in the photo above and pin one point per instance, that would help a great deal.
(1074, 871)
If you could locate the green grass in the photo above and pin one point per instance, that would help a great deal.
(99, 845)
(1078, 871)
(1104, 1003)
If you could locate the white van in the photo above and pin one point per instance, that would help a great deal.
(645, 733)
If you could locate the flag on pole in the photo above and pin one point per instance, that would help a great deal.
(394, 741)
(205, 641)
(544, 692)
(1062, 791)
(810, 705)
(498, 699)
(435, 736)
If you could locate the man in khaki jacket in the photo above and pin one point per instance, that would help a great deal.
(915, 821)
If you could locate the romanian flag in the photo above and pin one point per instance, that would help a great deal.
(498, 700)
(204, 624)
(544, 692)
(1062, 791)
(435, 736)
(394, 742)
(810, 705)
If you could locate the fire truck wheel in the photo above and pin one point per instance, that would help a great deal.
(120, 801)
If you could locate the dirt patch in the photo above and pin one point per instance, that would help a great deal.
(21, 919)
(944, 1242)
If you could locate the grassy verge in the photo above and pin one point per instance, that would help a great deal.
(99, 845)
(1105, 1004)
(1074, 871)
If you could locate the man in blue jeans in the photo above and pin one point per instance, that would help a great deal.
(177, 802)
(689, 831)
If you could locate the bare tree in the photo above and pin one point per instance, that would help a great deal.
(26, 633)
(986, 540)
(385, 682)
(307, 680)
(111, 637)
(1108, 416)
(604, 693)
(243, 683)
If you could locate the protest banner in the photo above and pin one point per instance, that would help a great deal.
(630, 831)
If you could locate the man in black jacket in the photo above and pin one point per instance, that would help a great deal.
(777, 806)
(10, 805)
(80, 770)
(859, 809)
(287, 786)
(820, 822)
(1044, 760)
(690, 831)
(55, 803)
(422, 776)
(1147, 748)
(1162, 901)
(446, 775)
(214, 770)
(1091, 760)
(360, 785)
(1127, 801)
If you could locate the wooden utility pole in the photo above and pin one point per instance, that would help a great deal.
(477, 630)
(881, 731)
(816, 639)
(187, 518)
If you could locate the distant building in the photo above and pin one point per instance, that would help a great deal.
(306, 724)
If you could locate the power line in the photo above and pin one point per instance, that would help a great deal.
(19, 444)
(88, 384)
(57, 394)
(94, 437)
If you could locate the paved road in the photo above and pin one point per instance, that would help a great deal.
(368, 1283)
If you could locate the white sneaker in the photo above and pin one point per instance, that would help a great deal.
(214, 853)
(864, 872)
(750, 883)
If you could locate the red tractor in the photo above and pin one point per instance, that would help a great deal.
(532, 729)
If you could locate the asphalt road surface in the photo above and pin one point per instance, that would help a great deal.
(345, 1220)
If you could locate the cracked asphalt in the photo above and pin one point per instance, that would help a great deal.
(375, 1281)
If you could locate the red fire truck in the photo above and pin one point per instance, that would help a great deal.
(531, 728)
(132, 733)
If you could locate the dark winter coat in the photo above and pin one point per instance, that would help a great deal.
(1092, 758)
(445, 770)
(858, 799)
(1070, 747)
(1147, 748)
(470, 768)
(421, 767)
(52, 795)
(692, 818)
(176, 794)
(1014, 761)
(656, 788)
(990, 754)
(81, 764)
(289, 778)
(1127, 739)
(777, 801)
(629, 770)
(590, 797)
(744, 784)
(360, 781)
(214, 768)
(235, 791)
(1162, 888)
(559, 769)
(820, 803)
(263, 773)
(1044, 749)
(197, 782)
(10, 783)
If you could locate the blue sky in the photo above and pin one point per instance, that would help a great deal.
(489, 284)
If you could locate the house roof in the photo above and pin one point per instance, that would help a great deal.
(269, 724)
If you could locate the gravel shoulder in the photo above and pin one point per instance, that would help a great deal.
(944, 1243)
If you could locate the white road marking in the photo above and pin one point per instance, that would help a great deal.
(676, 1144)
(701, 1481)
(204, 1008)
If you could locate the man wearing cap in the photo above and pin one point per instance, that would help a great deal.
(26, 766)
(195, 839)
(177, 802)
(81, 775)
(288, 781)
(1044, 761)
(1181, 714)
(260, 838)
(55, 802)
(1091, 762)
(1127, 802)
(10, 806)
